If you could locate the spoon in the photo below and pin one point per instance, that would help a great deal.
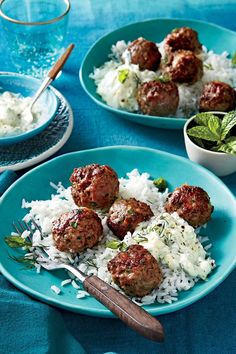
(52, 74)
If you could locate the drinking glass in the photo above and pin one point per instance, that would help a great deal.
(35, 33)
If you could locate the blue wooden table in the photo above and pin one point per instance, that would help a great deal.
(208, 326)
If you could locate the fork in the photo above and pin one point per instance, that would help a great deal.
(131, 314)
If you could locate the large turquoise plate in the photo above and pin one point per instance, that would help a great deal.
(214, 37)
(177, 170)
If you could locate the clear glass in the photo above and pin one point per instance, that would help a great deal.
(35, 32)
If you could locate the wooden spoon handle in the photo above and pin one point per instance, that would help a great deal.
(130, 313)
(60, 62)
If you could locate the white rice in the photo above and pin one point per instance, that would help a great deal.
(183, 262)
(123, 95)
(55, 289)
(65, 282)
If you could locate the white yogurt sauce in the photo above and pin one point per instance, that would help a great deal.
(173, 242)
(15, 118)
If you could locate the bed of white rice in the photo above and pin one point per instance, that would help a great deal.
(123, 95)
(178, 273)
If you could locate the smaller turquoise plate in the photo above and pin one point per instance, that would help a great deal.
(35, 149)
(213, 37)
(176, 170)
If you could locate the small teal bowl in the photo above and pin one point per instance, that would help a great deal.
(27, 87)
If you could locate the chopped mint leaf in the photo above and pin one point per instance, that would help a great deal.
(115, 244)
(122, 75)
(160, 183)
(29, 262)
(208, 66)
(74, 225)
(163, 78)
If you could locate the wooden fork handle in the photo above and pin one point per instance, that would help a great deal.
(130, 313)
(60, 62)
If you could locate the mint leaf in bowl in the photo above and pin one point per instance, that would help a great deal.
(208, 127)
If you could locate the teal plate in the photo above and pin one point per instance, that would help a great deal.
(214, 37)
(176, 170)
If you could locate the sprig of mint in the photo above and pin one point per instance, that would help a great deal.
(17, 242)
(211, 128)
(28, 262)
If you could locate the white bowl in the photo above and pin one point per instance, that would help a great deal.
(220, 163)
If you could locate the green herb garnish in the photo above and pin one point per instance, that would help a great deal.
(163, 78)
(165, 60)
(29, 262)
(123, 246)
(140, 238)
(91, 263)
(17, 242)
(234, 59)
(74, 225)
(131, 211)
(213, 133)
(114, 245)
(208, 66)
(122, 75)
(160, 183)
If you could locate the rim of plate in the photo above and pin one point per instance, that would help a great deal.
(105, 312)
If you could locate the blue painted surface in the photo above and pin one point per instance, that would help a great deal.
(209, 325)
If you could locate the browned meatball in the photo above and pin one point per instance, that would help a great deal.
(94, 186)
(191, 203)
(145, 54)
(158, 98)
(185, 67)
(135, 271)
(126, 214)
(77, 230)
(217, 96)
(182, 38)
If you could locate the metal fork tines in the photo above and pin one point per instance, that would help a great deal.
(20, 226)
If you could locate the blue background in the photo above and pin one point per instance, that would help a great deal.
(208, 326)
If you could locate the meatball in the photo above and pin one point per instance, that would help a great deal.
(94, 186)
(182, 38)
(217, 96)
(191, 203)
(145, 54)
(158, 98)
(135, 271)
(184, 67)
(77, 230)
(126, 214)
